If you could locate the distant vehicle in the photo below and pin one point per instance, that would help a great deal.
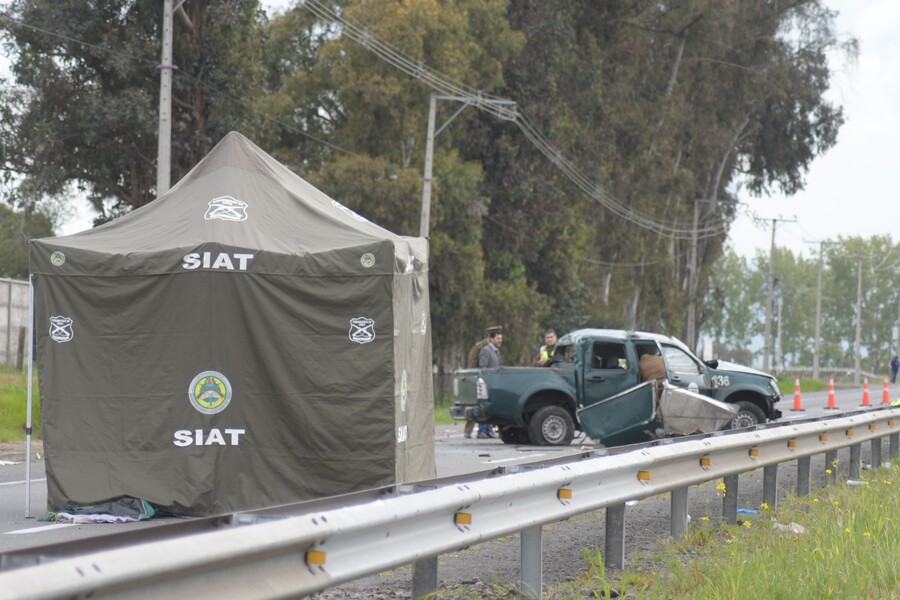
(593, 385)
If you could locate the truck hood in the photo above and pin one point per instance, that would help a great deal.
(724, 365)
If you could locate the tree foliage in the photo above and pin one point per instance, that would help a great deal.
(89, 72)
(667, 106)
(854, 272)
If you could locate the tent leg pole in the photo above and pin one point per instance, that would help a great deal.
(29, 398)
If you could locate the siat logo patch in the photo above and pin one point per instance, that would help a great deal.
(362, 330)
(226, 208)
(210, 392)
(340, 206)
(61, 329)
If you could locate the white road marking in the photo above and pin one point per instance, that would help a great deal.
(489, 462)
(52, 527)
(21, 482)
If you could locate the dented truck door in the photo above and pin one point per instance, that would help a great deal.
(628, 417)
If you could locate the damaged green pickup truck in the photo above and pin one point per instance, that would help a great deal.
(594, 385)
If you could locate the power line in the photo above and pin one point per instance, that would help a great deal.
(6, 20)
(509, 111)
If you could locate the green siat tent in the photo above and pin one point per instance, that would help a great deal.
(242, 341)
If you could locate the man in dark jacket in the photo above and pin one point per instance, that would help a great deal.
(472, 363)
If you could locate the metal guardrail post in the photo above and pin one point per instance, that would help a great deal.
(876, 453)
(729, 502)
(424, 570)
(531, 581)
(770, 486)
(803, 476)
(831, 464)
(855, 460)
(615, 536)
(679, 512)
(424, 577)
(894, 447)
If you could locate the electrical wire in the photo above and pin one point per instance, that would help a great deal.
(6, 20)
(509, 110)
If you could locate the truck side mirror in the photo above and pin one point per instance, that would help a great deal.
(712, 364)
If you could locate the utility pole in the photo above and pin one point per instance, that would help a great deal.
(692, 280)
(767, 347)
(164, 141)
(426, 180)
(429, 143)
(857, 342)
(818, 334)
(779, 351)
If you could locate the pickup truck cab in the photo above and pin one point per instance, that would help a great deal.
(594, 385)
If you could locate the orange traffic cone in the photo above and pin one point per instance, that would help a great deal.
(798, 403)
(886, 395)
(866, 401)
(832, 405)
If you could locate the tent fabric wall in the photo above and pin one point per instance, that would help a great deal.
(243, 341)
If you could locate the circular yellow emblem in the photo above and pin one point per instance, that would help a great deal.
(210, 392)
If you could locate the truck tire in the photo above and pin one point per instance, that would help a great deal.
(551, 426)
(748, 415)
(513, 435)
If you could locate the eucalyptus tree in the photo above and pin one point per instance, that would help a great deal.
(88, 80)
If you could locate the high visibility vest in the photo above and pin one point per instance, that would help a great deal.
(547, 353)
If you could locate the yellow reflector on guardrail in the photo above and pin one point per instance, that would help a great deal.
(643, 475)
(850, 433)
(564, 493)
(705, 462)
(754, 452)
(315, 557)
(823, 437)
(792, 443)
(872, 426)
(462, 518)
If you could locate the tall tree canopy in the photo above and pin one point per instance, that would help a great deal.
(665, 106)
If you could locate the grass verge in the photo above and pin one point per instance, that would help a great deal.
(13, 406)
(840, 542)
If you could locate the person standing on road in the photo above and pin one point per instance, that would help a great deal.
(895, 365)
(472, 363)
(489, 358)
(548, 350)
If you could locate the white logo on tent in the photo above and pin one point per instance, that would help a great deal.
(362, 330)
(349, 212)
(226, 208)
(61, 329)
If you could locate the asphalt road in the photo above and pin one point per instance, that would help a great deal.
(454, 455)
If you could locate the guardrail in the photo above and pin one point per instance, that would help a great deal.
(303, 554)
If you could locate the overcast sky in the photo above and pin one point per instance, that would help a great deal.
(849, 190)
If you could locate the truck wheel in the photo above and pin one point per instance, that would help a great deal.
(551, 426)
(748, 415)
(513, 435)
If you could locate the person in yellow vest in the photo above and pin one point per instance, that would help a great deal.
(548, 350)
(472, 363)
